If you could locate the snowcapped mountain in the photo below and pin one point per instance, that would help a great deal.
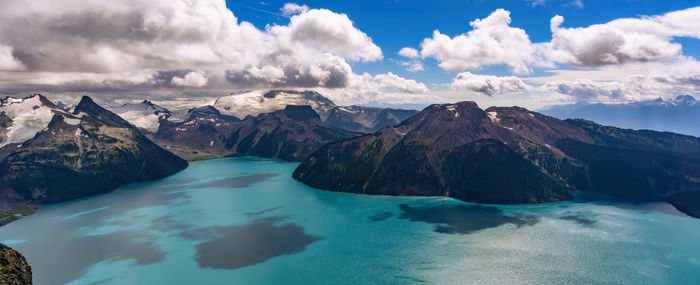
(145, 115)
(22, 118)
(88, 151)
(678, 115)
(258, 102)
(351, 118)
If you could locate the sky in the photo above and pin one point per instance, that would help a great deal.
(394, 53)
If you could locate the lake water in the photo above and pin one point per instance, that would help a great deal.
(246, 221)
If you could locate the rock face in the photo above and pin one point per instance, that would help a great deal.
(366, 119)
(14, 269)
(290, 134)
(678, 115)
(507, 156)
(86, 152)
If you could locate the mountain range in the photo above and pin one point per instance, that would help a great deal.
(148, 116)
(679, 115)
(509, 155)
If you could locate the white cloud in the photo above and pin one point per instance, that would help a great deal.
(393, 81)
(192, 79)
(488, 84)
(409, 52)
(492, 41)
(413, 63)
(293, 8)
(331, 32)
(90, 45)
(7, 60)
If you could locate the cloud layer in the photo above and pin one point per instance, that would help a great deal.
(122, 45)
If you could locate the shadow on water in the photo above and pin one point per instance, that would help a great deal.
(380, 216)
(235, 182)
(642, 206)
(463, 219)
(581, 218)
(237, 246)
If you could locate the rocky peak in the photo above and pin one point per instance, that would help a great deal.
(88, 106)
(300, 113)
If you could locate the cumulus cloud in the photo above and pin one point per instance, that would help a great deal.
(191, 79)
(332, 32)
(492, 41)
(630, 89)
(74, 46)
(293, 8)
(393, 81)
(488, 84)
(413, 63)
(409, 52)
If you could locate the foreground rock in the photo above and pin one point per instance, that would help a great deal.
(78, 154)
(508, 156)
(14, 269)
(290, 134)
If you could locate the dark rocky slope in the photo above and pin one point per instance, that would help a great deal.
(14, 269)
(290, 134)
(87, 152)
(506, 156)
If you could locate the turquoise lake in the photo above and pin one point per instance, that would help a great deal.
(246, 221)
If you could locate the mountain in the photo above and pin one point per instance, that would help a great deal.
(365, 119)
(289, 134)
(508, 156)
(258, 102)
(678, 115)
(145, 115)
(14, 269)
(351, 118)
(88, 151)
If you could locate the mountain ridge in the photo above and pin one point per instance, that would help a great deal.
(506, 155)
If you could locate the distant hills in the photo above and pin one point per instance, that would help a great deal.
(679, 115)
(509, 156)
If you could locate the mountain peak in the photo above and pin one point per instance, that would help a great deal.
(88, 106)
(684, 99)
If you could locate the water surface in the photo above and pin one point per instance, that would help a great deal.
(245, 221)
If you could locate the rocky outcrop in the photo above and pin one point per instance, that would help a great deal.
(14, 269)
(507, 156)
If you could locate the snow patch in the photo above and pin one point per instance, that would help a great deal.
(29, 116)
(71, 121)
(211, 143)
(493, 116)
(78, 132)
(255, 103)
(143, 115)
